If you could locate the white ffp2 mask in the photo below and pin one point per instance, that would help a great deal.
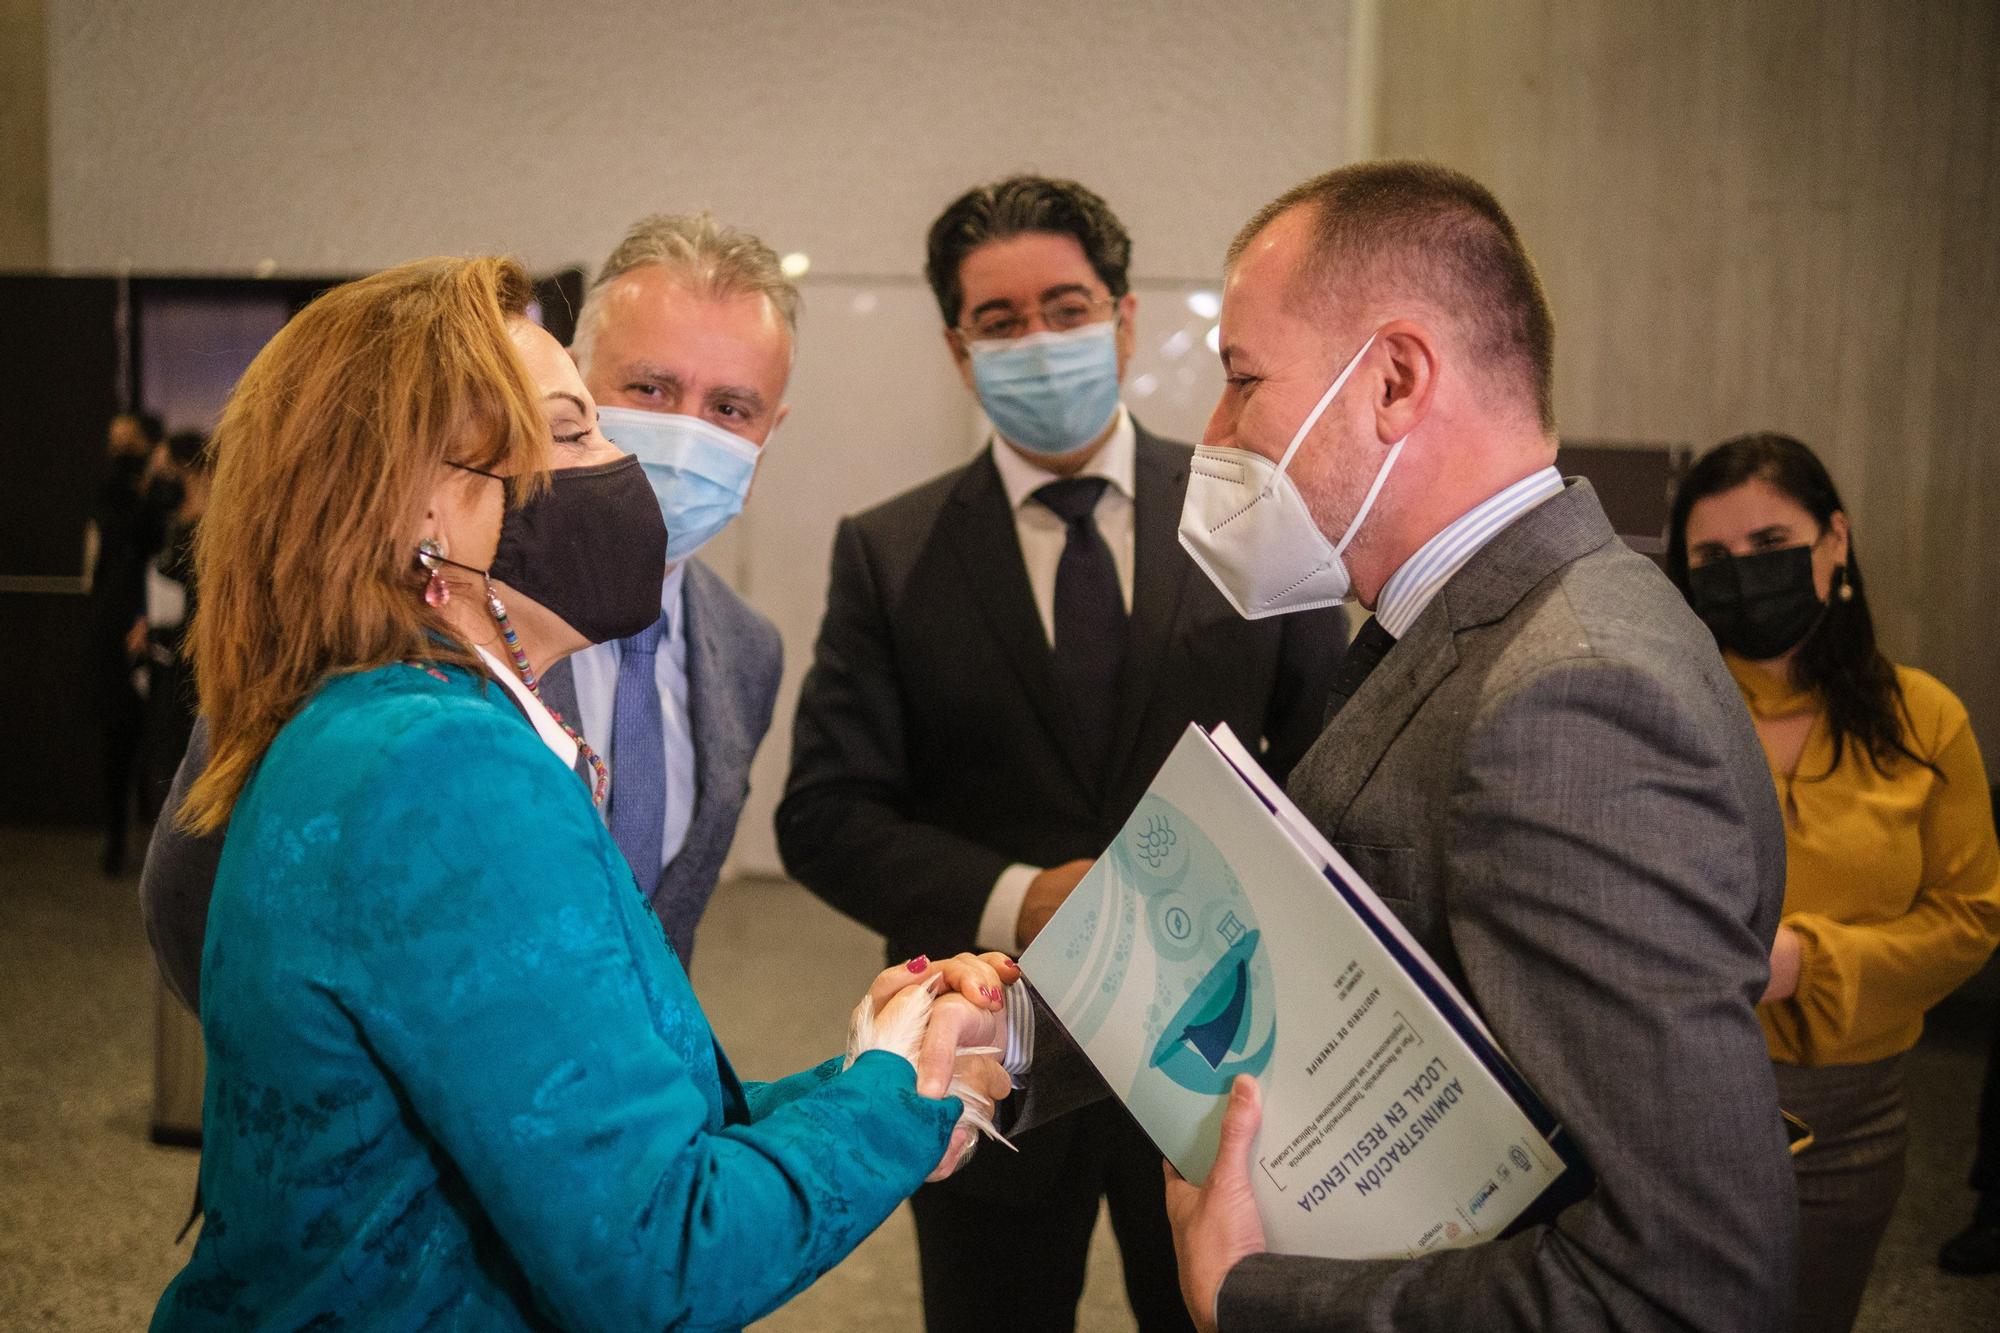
(1245, 523)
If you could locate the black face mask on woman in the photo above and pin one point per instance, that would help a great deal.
(1758, 606)
(592, 548)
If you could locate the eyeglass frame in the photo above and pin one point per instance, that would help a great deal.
(1092, 304)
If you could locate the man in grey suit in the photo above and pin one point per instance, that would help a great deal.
(685, 341)
(1533, 754)
(692, 324)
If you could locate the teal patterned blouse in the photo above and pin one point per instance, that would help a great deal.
(456, 1076)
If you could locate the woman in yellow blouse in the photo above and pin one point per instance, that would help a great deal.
(1892, 885)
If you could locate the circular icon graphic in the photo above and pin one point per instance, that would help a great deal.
(1519, 1157)
(1179, 924)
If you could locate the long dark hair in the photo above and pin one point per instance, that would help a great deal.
(1838, 660)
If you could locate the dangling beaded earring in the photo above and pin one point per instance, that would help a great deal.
(600, 776)
(1846, 593)
(430, 556)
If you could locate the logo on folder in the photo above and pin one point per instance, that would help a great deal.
(1214, 1005)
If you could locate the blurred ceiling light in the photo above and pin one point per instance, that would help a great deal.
(865, 303)
(266, 267)
(1145, 386)
(1214, 339)
(1176, 346)
(795, 264)
(1205, 304)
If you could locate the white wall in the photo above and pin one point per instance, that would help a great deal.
(213, 135)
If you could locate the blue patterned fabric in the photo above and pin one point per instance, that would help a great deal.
(456, 1078)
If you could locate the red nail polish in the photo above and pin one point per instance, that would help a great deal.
(919, 963)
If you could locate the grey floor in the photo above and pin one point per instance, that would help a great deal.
(89, 1207)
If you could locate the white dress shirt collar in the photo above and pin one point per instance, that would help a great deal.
(545, 724)
(1412, 587)
(1116, 462)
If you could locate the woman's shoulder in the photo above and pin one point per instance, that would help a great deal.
(1936, 715)
(434, 720)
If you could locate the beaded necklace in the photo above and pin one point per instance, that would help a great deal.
(600, 776)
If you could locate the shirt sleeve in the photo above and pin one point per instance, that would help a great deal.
(1862, 983)
(518, 992)
(999, 923)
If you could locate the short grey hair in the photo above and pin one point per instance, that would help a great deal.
(712, 259)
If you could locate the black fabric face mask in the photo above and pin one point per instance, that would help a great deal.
(592, 548)
(1758, 606)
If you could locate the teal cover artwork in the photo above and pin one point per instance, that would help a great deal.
(1164, 901)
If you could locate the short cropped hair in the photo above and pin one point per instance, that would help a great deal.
(1015, 206)
(712, 259)
(1383, 228)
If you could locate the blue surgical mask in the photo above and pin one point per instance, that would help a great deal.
(1050, 393)
(700, 472)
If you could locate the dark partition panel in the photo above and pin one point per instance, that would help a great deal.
(1635, 482)
(59, 359)
(59, 370)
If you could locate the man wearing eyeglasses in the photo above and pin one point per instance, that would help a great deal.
(1009, 652)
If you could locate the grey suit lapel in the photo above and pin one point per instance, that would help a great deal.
(1562, 529)
(1492, 583)
(1354, 740)
(714, 728)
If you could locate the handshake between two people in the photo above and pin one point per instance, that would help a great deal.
(948, 1018)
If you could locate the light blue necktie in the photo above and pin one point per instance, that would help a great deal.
(638, 758)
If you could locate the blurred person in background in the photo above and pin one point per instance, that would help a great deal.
(124, 533)
(1892, 884)
(455, 1074)
(1975, 1251)
(170, 603)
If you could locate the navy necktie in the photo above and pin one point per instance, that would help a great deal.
(1089, 618)
(638, 814)
(1370, 646)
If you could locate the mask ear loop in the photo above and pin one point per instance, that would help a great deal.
(430, 555)
(1368, 502)
(1312, 419)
